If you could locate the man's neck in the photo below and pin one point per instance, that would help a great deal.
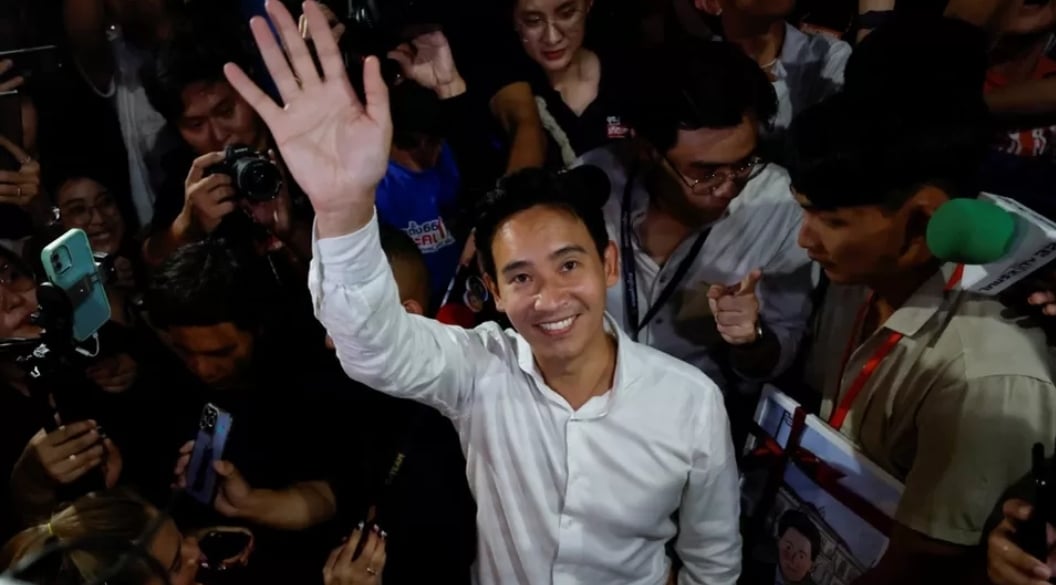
(417, 159)
(760, 39)
(590, 375)
(893, 292)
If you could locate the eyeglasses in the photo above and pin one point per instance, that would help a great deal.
(15, 279)
(742, 171)
(79, 213)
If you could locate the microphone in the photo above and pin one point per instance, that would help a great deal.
(1000, 241)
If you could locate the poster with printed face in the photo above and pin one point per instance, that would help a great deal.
(821, 515)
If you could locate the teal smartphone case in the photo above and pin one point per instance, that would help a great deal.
(70, 265)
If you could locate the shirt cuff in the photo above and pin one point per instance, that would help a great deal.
(351, 259)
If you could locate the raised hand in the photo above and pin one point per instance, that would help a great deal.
(334, 146)
(427, 60)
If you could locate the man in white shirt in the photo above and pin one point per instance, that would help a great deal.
(580, 445)
(707, 228)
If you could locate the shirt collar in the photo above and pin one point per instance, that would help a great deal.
(795, 41)
(626, 365)
(923, 304)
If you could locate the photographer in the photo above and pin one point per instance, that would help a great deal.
(185, 83)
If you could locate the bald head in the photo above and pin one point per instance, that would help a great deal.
(408, 268)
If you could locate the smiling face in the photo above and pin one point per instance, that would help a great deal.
(795, 555)
(18, 300)
(551, 282)
(85, 204)
(552, 31)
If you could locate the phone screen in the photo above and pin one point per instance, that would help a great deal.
(10, 127)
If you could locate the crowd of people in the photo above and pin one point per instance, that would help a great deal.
(555, 250)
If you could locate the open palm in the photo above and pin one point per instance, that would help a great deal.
(336, 147)
(427, 60)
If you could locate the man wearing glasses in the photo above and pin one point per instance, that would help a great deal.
(707, 230)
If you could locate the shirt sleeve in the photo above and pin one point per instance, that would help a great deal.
(974, 440)
(709, 539)
(379, 344)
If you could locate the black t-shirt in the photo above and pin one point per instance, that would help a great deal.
(603, 121)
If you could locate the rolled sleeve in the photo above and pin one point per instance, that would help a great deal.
(974, 441)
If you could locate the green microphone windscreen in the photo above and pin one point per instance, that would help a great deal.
(970, 231)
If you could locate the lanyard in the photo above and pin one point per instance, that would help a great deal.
(839, 416)
(627, 265)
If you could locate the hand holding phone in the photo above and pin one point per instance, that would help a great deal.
(198, 475)
(70, 264)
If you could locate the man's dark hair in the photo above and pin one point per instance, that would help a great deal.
(691, 84)
(206, 283)
(842, 153)
(185, 60)
(416, 112)
(580, 192)
(801, 523)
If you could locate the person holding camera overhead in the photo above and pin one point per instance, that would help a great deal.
(234, 169)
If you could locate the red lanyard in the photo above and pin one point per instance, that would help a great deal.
(839, 416)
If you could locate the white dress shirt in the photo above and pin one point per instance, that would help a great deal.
(759, 230)
(563, 496)
(809, 70)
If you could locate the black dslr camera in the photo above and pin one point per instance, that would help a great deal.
(255, 177)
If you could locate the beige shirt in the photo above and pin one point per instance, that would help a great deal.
(952, 411)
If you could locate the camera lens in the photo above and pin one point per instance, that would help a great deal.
(257, 179)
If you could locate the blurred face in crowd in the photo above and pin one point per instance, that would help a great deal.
(707, 168)
(552, 31)
(1033, 19)
(143, 22)
(220, 355)
(551, 282)
(795, 555)
(18, 300)
(215, 116)
(756, 8)
(88, 205)
(869, 243)
(177, 554)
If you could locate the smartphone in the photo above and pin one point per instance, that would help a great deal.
(214, 426)
(32, 62)
(10, 127)
(70, 265)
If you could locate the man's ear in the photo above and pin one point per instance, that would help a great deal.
(413, 307)
(611, 261)
(712, 7)
(493, 288)
(919, 210)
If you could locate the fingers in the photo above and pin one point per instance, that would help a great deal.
(224, 468)
(14, 149)
(377, 560)
(376, 92)
(370, 548)
(404, 55)
(325, 45)
(345, 556)
(1010, 562)
(331, 564)
(749, 283)
(76, 465)
(76, 445)
(1016, 509)
(265, 107)
(201, 164)
(300, 58)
